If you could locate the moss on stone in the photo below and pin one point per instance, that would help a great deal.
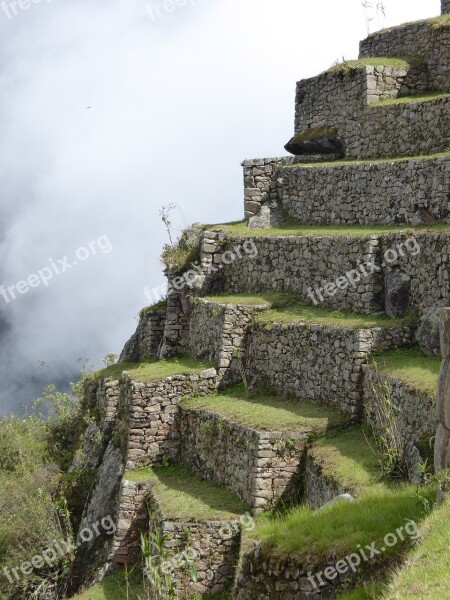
(380, 61)
(153, 369)
(310, 135)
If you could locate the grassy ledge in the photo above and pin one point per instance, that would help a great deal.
(113, 587)
(425, 573)
(268, 412)
(411, 99)
(366, 161)
(349, 458)
(412, 367)
(441, 22)
(285, 309)
(376, 61)
(184, 497)
(240, 229)
(153, 369)
(336, 531)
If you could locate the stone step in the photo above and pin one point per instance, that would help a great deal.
(428, 40)
(253, 447)
(410, 191)
(356, 269)
(195, 516)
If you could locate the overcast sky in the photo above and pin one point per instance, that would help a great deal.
(110, 109)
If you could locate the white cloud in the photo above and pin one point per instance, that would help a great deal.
(176, 104)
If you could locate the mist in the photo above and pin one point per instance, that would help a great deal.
(109, 110)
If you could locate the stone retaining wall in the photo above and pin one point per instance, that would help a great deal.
(174, 339)
(395, 130)
(418, 39)
(319, 363)
(300, 263)
(217, 333)
(264, 575)
(304, 264)
(408, 191)
(101, 397)
(215, 543)
(427, 269)
(152, 412)
(260, 183)
(318, 489)
(445, 6)
(415, 411)
(345, 94)
(442, 443)
(132, 521)
(259, 467)
(147, 339)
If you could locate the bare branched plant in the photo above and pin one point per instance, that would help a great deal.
(372, 11)
(164, 213)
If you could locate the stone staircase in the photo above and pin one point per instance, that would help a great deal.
(338, 257)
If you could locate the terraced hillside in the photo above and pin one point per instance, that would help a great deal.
(279, 441)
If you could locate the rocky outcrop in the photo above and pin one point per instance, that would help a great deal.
(398, 293)
(318, 140)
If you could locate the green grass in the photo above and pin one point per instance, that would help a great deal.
(285, 309)
(377, 61)
(426, 573)
(269, 413)
(411, 99)
(113, 587)
(240, 229)
(441, 22)
(343, 163)
(371, 591)
(349, 458)
(160, 305)
(184, 497)
(153, 369)
(412, 367)
(336, 531)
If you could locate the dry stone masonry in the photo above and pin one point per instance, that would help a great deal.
(414, 192)
(258, 466)
(296, 359)
(217, 333)
(442, 444)
(383, 160)
(152, 411)
(146, 341)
